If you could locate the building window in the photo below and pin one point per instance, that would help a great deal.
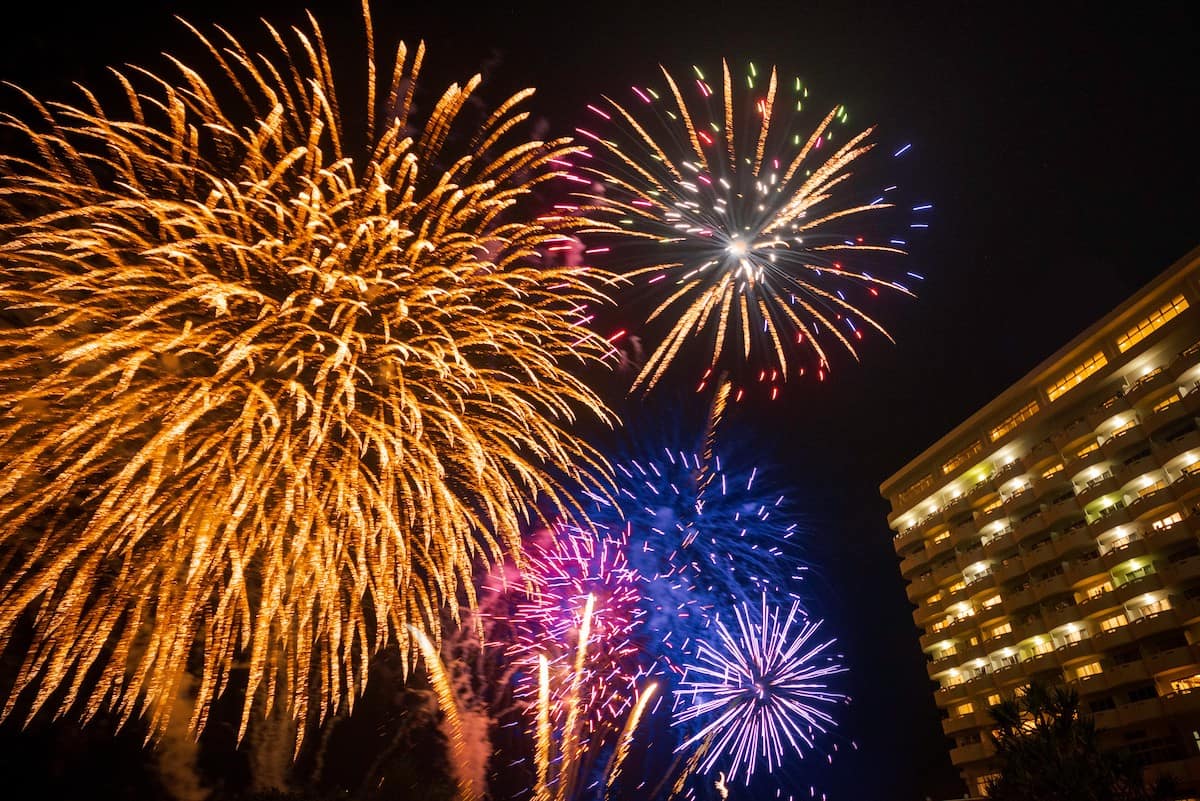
(1027, 411)
(1001, 630)
(945, 535)
(963, 709)
(1166, 404)
(1156, 320)
(1095, 446)
(993, 699)
(1192, 682)
(1167, 522)
(1042, 647)
(1114, 622)
(1058, 468)
(933, 599)
(956, 586)
(1098, 590)
(962, 457)
(1090, 669)
(1161, 605)
(1151, 488)
(1076, 376)
(991, 507)
(988, 603)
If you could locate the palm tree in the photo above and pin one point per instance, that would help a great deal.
(1048, 751)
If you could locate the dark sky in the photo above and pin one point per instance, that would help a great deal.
(1058, 142)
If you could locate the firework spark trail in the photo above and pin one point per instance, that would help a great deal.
(564, 770)
(436, 671)
(262, 394)
(760, 693)
(750, 222)
(576, 564)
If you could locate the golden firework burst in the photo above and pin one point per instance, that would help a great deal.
(266, 398)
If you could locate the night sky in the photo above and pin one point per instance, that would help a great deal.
(1057, 142)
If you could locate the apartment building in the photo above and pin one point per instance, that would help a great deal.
(1055, 535)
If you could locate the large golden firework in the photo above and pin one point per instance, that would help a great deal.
(266, 396)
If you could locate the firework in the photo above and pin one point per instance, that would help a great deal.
(552, 623)
(762, 243)
(265, 398)
(702, 536)
(761, 692)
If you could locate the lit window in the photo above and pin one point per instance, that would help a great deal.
(1116, 432)
(1161, 605)
(1027, 411)
(956, 586)
(1090, 669)
(988, 603)
(1098, 590)
(1058, 468)
(1076, 377)
(1114, 622)
(1168, 403)
(963, 709)
(1043, 647)
(941, 624)
(1095, 446)
(1003, 628)
(945, 535)
(1152, 488)
(1192, 682)
(993, 699)
(961, 458)
(1157, 319)
(993, 506)
(1167, 522)
(933, 599)
(973, 640)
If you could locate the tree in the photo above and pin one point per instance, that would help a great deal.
(1048, 751)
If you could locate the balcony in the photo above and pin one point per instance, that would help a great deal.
(1075, 651)
(1041, 452)
(952, 726)
(1148, 385)
(1166, 451)
(1021, 499)
(1141, 585)
(974, 752)
(1177, 573)
(1007, 675)
(1150, 502)
(981, 582)
(939, 545)
(1113, 638)
(1118, 445)
(905, 539)
(1114, 405)
(1060, 615)
(945, 696)
(1157, 623)
(1157, 421)
(1040, 663)
(1140, 711)
(1171, 659)
(1054, 585)
(1008, 569)
(1039, 555)
(1015, 601)
(1074, 541)
(1184, 702)
(1063, 508)
(999, 542)
(1098, 604)
(1184, 487)
(1184, 772)
(1128, 547)
(946, 571)
(969, 556)
(1093, 489)
(1173, 534)
(1121, 675)
(912, 564)
(920, 587)
(1072, 434)
(1109, 518)
(1085, 569)
(1028, 526)
(1185, 361)
(964, 534)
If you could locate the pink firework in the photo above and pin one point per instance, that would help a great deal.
(562, 572)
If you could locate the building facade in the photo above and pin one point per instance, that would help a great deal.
(1055, 536)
